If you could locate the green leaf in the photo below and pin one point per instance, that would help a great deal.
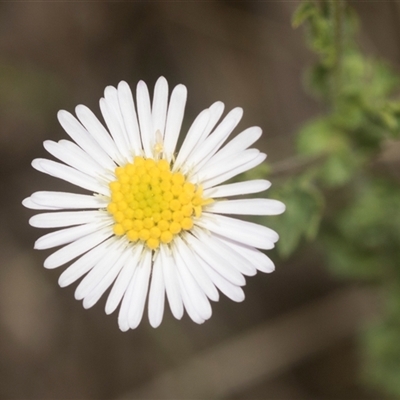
(350, 113)
(304, 206)
(383, 80)
(320, 136)
(321, 39)
(339, 168)
(389, 120)
(303, 12)
(355, 71)
(373, 220)
(348, 260)
(383, 356)
(317, 80)
(363, 240)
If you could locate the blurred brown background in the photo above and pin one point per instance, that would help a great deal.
(294, 337)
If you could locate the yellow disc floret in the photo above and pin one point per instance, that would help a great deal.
(151, 203)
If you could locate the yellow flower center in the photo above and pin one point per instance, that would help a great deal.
(151, 203)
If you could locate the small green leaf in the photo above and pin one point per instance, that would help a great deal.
(304, 206)
(389, 120)
(339, 168)
(320, 136)
(303, 12)
(317, 80)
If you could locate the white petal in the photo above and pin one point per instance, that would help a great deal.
(160, 103)
(108, 278)
(127, 106)
(140, 290)
(74, 156)
(60, 200)
(70, 175)
(188, 302)
(236, 170)
(237, 188)
(97, 131)
(171, 283)
(111, 98)
(126, 304)
(129, 302)
(75, 249)
(233, 257)
(102, 174)
(121, 284)
(216, 111)
(253, 255)
(247, 207)
(91, 280)
(83, 264)
(230, 290)
(80, 136)
(68, 235)
(238, 144)
(145, 121)
(117, 125)
(196, 294)
(185, 253)
(66, 218)
(215, 260)
(205, 150)
(245, 232)
(116, 129)
(156, 293)
(227, 166)
(29, 203)
(192, 138)
(175, 114)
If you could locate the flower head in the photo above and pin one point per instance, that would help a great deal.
(155, 221)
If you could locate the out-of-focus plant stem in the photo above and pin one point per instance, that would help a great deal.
(295, 165)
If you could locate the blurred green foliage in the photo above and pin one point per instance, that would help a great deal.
(341, 200)
(304, 208)
(363, 238)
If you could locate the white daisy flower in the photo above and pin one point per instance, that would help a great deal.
(155, 222)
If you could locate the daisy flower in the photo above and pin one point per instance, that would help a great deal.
(156, 222)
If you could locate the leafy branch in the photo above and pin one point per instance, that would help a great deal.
(333, 191)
